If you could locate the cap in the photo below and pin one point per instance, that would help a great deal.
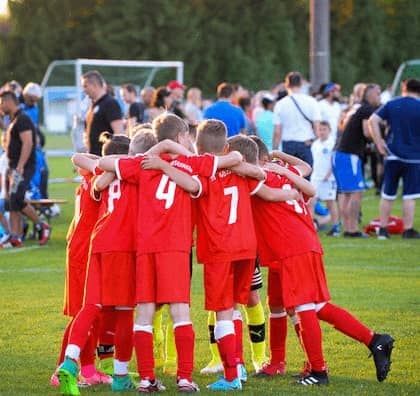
(175, 84)
(331, 87)
(32, 89)
(269, 97)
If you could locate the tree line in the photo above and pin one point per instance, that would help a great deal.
(255, 42)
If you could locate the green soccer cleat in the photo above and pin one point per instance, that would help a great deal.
(67, 375)
(122, 383)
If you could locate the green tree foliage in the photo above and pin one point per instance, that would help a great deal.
(255, 42)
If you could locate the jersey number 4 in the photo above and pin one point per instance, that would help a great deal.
(233, 213)
(166, 191)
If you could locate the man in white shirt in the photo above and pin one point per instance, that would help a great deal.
(330, 107)
(296, 118)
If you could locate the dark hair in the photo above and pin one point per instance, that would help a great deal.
(412, 85)
(10, 95)
(211, 136)
(129, 88)
(169, 126)
(158, 99)
(293, 79)
(325, 123)
(244, 102)
(94, 77)
(224, 90)
(246, 146)
(262, 148)
(114, 144)
(367, 90)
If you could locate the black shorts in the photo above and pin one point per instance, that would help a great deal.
(17, 196)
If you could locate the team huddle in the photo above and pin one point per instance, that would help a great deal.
(140, 209)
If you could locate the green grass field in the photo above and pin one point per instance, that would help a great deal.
(377, 280)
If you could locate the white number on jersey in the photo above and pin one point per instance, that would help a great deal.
(166, 191)
(293, 202)
(114, 193)
(77, 209)
(233, 213)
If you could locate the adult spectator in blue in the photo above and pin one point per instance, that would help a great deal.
(264, 120)
(104, 113)
(401, 148)
(224, 110)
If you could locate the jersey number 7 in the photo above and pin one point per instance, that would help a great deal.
(233, 213)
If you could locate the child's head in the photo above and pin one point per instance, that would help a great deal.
(138, 127)
(211, 137)
(142, 141)
(246, 146)
(263, 153)
(324, 130)
(170, 126)
(114, 144)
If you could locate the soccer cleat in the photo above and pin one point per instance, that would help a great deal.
(242, 373)
(224, 385)
(147, 386)
(67, 375)
(44, 233)
(334, 231)
(383, 233)
(11, 243)
(272, 369)
(381, 349)
(411, 233)
(212, 368)
(106, 365)
(314, 378)
(186, 386)
(121, 383)
(356, 234)
(97, 378)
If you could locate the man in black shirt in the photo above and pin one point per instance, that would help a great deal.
(347, 161)
(104, 113)
(135, 114)
(20, 150)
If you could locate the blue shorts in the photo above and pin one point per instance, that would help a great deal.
(347, 169)
(394, 170)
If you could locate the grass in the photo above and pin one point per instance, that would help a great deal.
(377, 280)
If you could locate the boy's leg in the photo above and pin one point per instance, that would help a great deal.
(169, 366)
(215, 365)
(106, 332)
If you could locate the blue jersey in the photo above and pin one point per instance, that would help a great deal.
(231, 115)
(403, 117)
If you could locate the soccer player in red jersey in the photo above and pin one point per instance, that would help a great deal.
(164, 236)
(297, 278)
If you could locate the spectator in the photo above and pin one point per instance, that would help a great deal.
(177, 94)
(347, 162)
(104, 113)
(246, 106)
(402, 150)
(135, 113)
(161, 102)
(265, 120)
(224, 110)
(296, 117)
(330, 107)
(146, 95)
(193, 106)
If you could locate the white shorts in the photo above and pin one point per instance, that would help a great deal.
(325, 190)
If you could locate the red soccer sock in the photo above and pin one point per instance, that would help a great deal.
(311, 336)
(124, 335)
(64, 342)
(238, 324)
(106, 333)
(87, 353)
(82, 324)
(143, 346)
(346, 323)
(227, 351)
(184, 341)
(277, 337)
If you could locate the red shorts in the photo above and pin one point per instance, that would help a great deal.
(111, 279)
(297, 280)
(163, 278)
(227, 283)
(74, 287)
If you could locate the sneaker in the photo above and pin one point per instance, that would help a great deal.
(54, 380)
(381, 349)
(106, 365)
(411, 233)
(11, 242)
(383, 233)
(223, 385)
(121, 383)
(186, 386)
(67, 375)
(356, 234)
(4, 238)
(212, 368)
(147, 386)
(272, 369)
(170, 367)
(242, 373)
(334, 231)
(314, 378)
(97, 378)
(44, 232)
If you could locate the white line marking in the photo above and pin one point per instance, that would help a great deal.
(18, 250)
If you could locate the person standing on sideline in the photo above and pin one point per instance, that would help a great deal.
(224, 110)
(402, 150)
(104, 113)
(135, 109)
(296, 119)
(264, 120)
(330, 107)
(20, 149)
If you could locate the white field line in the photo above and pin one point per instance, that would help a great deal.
(18, 250)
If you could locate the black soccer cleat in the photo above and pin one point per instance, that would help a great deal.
(381, 349)
(314, 378)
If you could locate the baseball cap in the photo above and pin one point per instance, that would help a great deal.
(331, 86)
(175, 84)
(269, 97)
(32, 89)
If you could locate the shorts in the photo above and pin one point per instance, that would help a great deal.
(297, 280)
(227, 283)
(17, 198)
(163, 278)
(257, 281)
(326, 190)
(348, 173)
(394, 170)
(74, 287)
(110, 279)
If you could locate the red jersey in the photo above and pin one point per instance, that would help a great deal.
(115, 230)
(85, 216)
(164, 209)
(225, 227)
(284, 229)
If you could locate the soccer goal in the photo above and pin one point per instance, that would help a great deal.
(63, 97)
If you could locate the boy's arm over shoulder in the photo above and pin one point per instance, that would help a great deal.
(274, 193)
(103, 181)
(228, 160)
(249, 170)
(303, 166)
(85, 161)
(168, 146)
